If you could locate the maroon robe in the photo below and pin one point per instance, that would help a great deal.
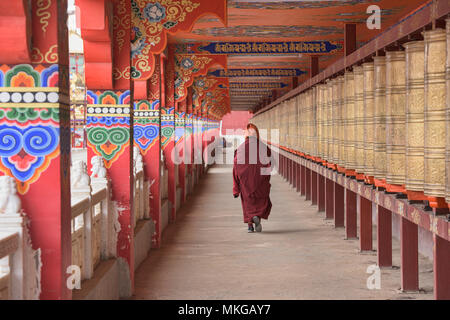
(251, 179)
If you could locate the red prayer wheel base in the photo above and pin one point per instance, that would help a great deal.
(350, 173)
(437, 203)
(369, 180)
(395, 188)
(331, 166)
(416, 195)
(340, 169)
(380, 183)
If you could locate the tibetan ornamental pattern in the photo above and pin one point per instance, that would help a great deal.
(108, 123)
(29, 136)
(152, 20)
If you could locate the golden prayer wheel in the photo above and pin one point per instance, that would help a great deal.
(369, 112)
(318, 93)
(359, 118)
(340, 125)
(300, 123)
(395, 120)
(415, 81)
(330, 120)
(289, 123)
(283, 123)
(435, 110)
(312, 102)
(295, 129)
(293, 123)
(379, 146)
(311, 122)
(305, 124)
(334, 121)
(324, 102)
(349, 122)
(447, 172)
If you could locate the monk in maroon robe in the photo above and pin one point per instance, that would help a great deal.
(251, 178)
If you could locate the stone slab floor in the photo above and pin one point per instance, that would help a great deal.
(208, 254)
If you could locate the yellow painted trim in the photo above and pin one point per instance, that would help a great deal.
(107, 115)
(109, 106)
(29, 89)
(37, 105)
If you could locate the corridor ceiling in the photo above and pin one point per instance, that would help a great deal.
(287, 21)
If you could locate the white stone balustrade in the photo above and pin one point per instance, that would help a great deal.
(94, 234)
(141, 189)
(20, 265)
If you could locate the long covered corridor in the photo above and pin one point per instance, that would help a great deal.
(208, 254)
(112, 113)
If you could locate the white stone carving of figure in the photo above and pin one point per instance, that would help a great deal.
(98, 167)
(80, 177)
(137, 157)
(9, 200)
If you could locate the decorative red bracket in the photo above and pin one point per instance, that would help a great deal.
(15, 31)
(97, 33)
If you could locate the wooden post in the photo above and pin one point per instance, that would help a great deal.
(303, 180)
(365, 221)
(384, 237)
(441, 269)
(329, 199)
(314, 187)
(314, 66)
(350, 215)
(168, 128)
(321, 192)
(35, 147)
(349, 38)
(308, 183)
(409, 255)
(339, 194)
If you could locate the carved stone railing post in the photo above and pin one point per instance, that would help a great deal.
(81, 187)
(99, 180)
(25, 263)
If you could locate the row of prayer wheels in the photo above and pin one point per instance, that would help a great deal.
(386, 122)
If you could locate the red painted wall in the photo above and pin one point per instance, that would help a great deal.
(235, 120)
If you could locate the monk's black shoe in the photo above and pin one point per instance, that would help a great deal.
(250, 229)
(257, 221)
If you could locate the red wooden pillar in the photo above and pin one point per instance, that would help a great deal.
(109, 129)
(384, 237)
(286, 169)
(329, 199)
(409, 255)
(314, 65)
(35, 137)
(294, 175)
(168, 129)
(321, 192)
(339, 194)
(147, 138)
(290, 171)
(298, 176)
(349, 38)
(308, 183)
(365, 221)
(189, 142)
(314, 187)
(303, 180)
(441, 270)
(350, 215)
(180, 123)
